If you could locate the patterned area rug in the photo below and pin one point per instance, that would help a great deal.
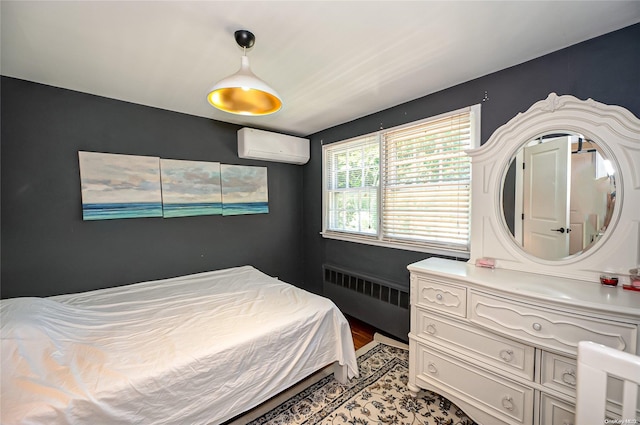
(378, 396)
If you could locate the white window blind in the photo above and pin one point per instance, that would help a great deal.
(352, 173)
(406, 187)
(426, 183)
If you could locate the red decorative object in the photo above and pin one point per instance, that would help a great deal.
(609, 280)
(631, 288)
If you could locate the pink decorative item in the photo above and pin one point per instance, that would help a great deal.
(489, 263)
(634, 278)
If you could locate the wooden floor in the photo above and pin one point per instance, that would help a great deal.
(362, 333)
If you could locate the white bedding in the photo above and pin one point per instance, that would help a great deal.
(196, 349)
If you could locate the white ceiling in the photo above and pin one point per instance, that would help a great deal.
(331, 61)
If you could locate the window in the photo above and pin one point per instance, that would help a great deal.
(406, 187)
(353, 172)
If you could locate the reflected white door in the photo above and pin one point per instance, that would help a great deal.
(546, 209)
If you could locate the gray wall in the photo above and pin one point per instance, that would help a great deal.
(48, 249)
(606, 69)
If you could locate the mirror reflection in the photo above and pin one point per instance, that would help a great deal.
(558, 195)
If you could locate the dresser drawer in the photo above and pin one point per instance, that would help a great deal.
(433, 294)
(505, 399)
(559, 373)
(504, 354)
(548, 328)
(555, 412)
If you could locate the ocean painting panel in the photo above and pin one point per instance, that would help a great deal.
(119, 186)
(190, 188)
(244, 190)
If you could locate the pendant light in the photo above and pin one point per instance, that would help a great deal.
(243, 93)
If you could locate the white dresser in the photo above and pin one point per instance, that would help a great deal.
(501, 344)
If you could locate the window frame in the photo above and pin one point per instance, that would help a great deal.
(379, 238)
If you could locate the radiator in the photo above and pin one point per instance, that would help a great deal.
(380, 303)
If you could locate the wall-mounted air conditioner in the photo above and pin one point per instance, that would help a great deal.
(268, 146)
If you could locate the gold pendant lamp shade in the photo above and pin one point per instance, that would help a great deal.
(243, 93)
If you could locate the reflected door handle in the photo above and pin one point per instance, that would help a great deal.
(561, 230)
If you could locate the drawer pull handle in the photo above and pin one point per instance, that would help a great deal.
(506, 355)
(569, 377)
(537, 327)
(432, 368)
(431, 329)
(439, 297)
(507, 403)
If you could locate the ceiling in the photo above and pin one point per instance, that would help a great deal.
(331, 61)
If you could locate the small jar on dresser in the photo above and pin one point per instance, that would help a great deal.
(502, 344)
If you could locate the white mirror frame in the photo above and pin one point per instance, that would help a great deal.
(613, 128)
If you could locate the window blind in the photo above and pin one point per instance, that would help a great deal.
(426, 183)
(352, 171)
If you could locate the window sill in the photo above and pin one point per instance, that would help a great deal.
(386, 244)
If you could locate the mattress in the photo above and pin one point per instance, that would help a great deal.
(195, 349)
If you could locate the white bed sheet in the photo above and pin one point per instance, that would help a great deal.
(196, 349)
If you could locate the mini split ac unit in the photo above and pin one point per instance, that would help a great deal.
(267, 146)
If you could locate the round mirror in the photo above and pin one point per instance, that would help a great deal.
(558, 195)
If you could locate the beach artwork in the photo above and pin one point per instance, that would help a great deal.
(190, 188)
(119, 186)
(244, 190)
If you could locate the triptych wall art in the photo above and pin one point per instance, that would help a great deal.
(131, 186)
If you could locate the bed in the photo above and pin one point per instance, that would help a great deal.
(196, 349)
